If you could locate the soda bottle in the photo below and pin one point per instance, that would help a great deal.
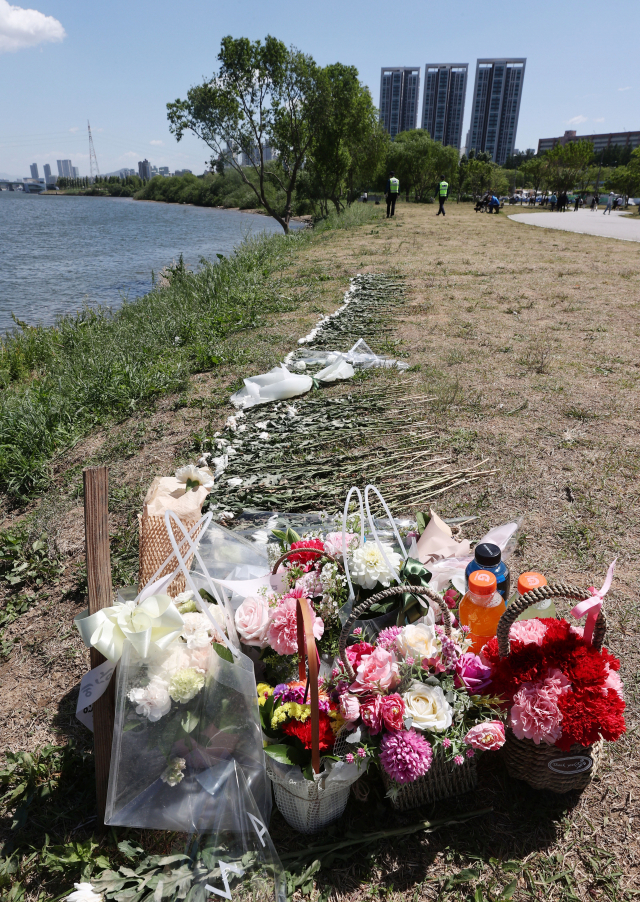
(481, 608)
(527, 582)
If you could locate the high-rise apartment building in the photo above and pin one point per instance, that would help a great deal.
(399, 90)
(445, 88)
(496, 107)
(47, 173)
(65, 169)
(34, 171)
(76, 172)
(144, 169)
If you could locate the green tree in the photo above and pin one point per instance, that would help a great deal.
(348, 141)
(566, 164)
(418, 162)
(534, 172)
(263, 93)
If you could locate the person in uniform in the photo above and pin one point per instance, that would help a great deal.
(443, 192)
(392, 190)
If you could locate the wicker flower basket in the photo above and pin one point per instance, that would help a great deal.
(546, 766)
(443, 779)
(310, 805)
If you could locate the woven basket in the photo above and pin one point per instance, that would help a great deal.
(309, 805)
(443, 779)
(155, 548)
(546, 766)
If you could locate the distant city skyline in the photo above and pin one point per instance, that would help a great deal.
(80, 64)
(445, 90)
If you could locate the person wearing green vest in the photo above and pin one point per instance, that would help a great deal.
(443, 191)
(392, 190)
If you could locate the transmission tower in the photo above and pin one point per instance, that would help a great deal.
(93, 160)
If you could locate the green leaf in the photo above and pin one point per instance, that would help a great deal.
(281, 753)
(128, 850)
(223, 652)
(509, 890)
(189, 721)
(131, 726)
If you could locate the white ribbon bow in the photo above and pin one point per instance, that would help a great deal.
(155, 621)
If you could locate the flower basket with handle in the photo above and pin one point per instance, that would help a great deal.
(309, 805)
(443, 778)
(543, 764)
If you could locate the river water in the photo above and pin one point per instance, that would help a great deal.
(60, 253)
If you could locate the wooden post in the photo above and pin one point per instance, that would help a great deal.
(96, 529)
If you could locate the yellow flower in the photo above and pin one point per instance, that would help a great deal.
(264, 691)
(337, 721)
(290, 710)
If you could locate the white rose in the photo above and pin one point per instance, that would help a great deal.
(252, 622)
(84, 892)
(419, 640)
(428, 707)
(153, 701)
(368, 567)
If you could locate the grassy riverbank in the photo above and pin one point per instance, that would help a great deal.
(528, 341)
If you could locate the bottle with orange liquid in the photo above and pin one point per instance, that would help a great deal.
(481, 608)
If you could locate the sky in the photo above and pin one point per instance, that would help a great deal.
(117, 64)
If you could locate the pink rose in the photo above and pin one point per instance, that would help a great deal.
(392, 709)
(488, 736)
(371, 714)
(283, 628)
(377, 672)
(333, 543)
(528, 631)
(349, 707)
(355, 653)
(451, 598)
(472, 673)
(252, 622)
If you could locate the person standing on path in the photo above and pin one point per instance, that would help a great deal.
(443, 193)
(610, 200)
(392, 190)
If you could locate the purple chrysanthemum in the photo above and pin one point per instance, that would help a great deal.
(387, 638)
(405, 755)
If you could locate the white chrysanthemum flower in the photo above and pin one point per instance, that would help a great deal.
(185, 684)
(368, 567)
(153, 700)
(84, 892)
(174, 771)
(195, 475)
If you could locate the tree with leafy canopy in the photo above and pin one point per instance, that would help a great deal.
(419, 161)
(566, 164)
(263, 93)
(534, 172)
(348, 141)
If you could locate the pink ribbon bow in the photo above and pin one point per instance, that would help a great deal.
(591, 606)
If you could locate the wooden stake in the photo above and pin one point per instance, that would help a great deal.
(96, 529)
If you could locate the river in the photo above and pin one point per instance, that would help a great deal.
(60, 253)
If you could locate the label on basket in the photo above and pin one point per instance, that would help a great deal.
(573, 764)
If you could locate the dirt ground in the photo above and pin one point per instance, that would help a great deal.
(529, 342)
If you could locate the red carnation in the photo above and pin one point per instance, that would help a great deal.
(305, 558)
(587, 715)
(303, 732)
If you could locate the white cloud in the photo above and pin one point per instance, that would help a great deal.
(599, 120)
(130, 154)
(156, 143)
(577, 120)
(628, 88)
(20, 28)
(74, 129)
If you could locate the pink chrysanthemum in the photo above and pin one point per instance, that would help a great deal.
(470, 753)
(446, 743)
(362, 753)
(405, 755)
(458, 760)
(387, 638)
(357, 631)
(349, 758)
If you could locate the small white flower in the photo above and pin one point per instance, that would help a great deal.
(234, 482)
(231, 423)
(264, 436)
(292, 411)
(368, 567)
(174, 771)
(242, 428)
(191, 474)
(153, 700)
(185, 684)
(222, 442)
(196, 630)
(84, 892)
(263, 424)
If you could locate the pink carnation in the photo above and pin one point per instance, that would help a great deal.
(528, 631)
(283, 629)
(376, 672)
(535, 713)
(333, 543)
(488, 736)
(349, 707)
(405, 755)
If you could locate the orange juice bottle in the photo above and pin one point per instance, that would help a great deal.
(481, 608)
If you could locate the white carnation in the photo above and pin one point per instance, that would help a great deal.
(368, 567)
(153, 700)
(196, 630)
(185, 684)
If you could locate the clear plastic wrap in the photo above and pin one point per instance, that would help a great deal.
(183, 718)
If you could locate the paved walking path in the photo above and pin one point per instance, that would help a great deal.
(614, 225)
